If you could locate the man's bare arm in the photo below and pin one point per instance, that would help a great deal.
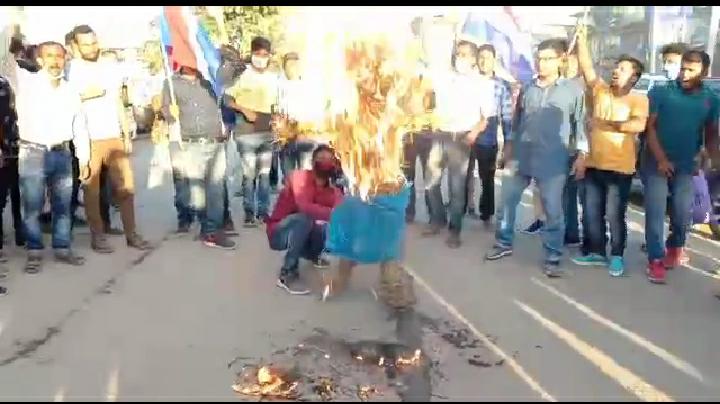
(584, 58)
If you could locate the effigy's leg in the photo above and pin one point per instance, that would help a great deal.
(395, 286)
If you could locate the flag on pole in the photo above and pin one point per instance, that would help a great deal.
(512, 46)
(188, 43)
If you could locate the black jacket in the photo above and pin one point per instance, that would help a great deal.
(8, 120)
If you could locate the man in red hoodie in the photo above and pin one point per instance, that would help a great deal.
(298, 222)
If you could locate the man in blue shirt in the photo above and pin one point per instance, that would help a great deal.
(549, 110)
(683, 116)
(486, 146)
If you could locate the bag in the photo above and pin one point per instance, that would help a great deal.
(702, 205)
(368, 232)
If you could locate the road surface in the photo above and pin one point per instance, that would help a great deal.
(175, 322)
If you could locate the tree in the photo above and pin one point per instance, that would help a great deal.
(243, 23)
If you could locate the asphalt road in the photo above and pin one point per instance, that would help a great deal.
(176, 322)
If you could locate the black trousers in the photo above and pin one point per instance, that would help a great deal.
(10, 186)
(416, 145)
(485, 157)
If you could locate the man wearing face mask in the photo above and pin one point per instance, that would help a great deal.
(463, 101)
(298, 222)
(44, 155)
(252, 97)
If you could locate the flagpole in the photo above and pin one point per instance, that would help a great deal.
(174, 129)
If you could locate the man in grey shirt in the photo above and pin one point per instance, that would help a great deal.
(549, 110)
(198, 158)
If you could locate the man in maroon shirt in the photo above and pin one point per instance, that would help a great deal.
(298, 222)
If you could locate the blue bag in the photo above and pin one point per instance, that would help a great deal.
(702, 206)
(368, 232)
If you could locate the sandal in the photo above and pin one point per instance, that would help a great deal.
(69, 258)
(33, 264)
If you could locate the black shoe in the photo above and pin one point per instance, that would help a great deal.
(263, 218)
(183, 228)
(291, 283)
(534, 227)
(432, 230)
(79, 222)
(229, 229)
(498, 252)
(250, 222)
(218, 240)
(3, 291)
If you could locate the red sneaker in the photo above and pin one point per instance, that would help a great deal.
(656, 271)
(675, 257)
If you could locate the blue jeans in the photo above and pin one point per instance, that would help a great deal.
(451, 151)
(256, 153)
(301, 237)
(606, 198)
(657, 187)
(199, 178)
(38, 167)
(551, 194)
(296, 155)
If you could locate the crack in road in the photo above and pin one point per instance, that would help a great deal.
(28, 348)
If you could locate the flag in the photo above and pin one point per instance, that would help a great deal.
(512, 46)
(188, 43)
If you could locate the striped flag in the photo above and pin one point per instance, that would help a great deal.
(188, 44)
(512, 46)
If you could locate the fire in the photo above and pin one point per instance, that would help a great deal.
(268, 383)
(366, 83)
(414, 360)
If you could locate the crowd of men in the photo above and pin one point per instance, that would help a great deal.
(577, 138)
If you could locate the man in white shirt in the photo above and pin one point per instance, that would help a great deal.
(49, 118)
(463, 101)
(100, 86)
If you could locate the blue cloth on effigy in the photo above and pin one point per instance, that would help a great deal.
(368, 232)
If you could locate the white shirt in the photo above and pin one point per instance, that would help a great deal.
(50, 115)
(462, 100)
(103, 113)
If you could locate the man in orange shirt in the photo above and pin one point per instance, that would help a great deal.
(618, 116)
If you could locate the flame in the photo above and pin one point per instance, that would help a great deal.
(414, 360)
(269, 383)
(365, 81)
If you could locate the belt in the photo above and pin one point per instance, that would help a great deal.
(202, 140)
(64, 146)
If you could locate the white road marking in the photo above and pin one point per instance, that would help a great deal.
(624, 377)
(112, 386)
(59, 395)
(661, 353)
(516, 367)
